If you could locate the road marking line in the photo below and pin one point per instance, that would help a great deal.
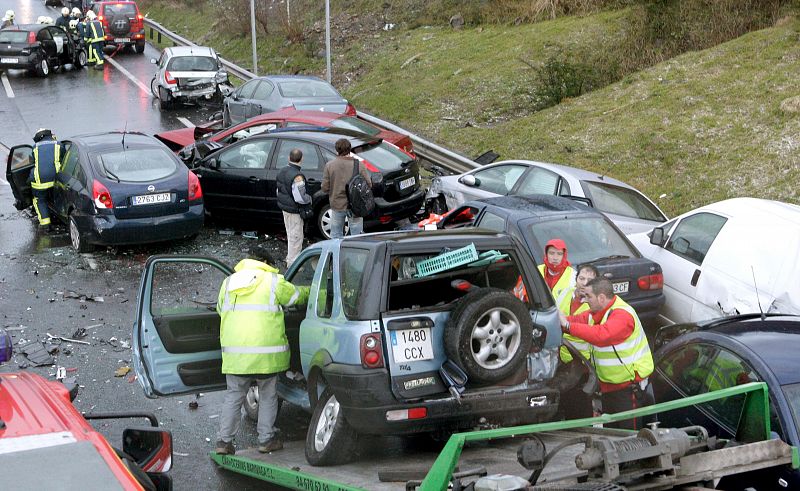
(185, 121)
(128, 74)
(7, 85)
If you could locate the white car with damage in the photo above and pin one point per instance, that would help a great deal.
(188, 74)
(736, 256)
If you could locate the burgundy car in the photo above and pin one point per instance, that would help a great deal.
(285, 118)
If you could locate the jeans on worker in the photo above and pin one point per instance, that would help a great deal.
(231, 415)
(294, 236)
(355, 224)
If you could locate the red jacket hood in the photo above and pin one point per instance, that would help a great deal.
(558, 244)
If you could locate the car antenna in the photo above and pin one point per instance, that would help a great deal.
(763, 317)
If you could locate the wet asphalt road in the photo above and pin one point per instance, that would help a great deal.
(40, 275)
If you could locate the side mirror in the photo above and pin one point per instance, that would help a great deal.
(153, 61)
(150, 448)
(657, 237)
(469, 180)
(212, 164)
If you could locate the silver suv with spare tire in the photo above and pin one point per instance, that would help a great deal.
(403, 333)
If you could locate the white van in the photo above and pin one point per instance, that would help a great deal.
(727, 258)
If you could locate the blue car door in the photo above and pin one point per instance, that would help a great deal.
(176, 347)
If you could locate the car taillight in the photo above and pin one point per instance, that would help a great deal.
(168, 78)
(101, 18)
(140, 17)
(371, 351)
(102, 198)
(404, 414)
(350, 110)
(31, 37)
(651, 282)
(195, 190)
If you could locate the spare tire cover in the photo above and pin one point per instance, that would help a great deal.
(120, 25)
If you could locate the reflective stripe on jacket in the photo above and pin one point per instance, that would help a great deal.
(94, 32)
(620, 363)
(46, 163)
(566, 282)
(584, 347)
(252, 331)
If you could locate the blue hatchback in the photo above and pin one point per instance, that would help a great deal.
(116, 188)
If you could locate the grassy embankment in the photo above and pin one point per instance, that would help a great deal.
(698, 128)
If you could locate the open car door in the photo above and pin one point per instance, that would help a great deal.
(176, 347)
(19, 165)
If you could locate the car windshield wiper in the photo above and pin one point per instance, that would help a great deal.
(613, 256)
(111, 174)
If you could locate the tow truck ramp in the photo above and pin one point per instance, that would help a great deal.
(653, 458)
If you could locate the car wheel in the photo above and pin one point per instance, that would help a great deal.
(78, 240)
(154, 88)
(43, 68)
(324, 216)
(139, 48)
(489, 335)
(251, 404)
(330, 439)
(80, 59)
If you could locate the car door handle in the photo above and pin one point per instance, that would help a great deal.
(695, 277)
(254, 179)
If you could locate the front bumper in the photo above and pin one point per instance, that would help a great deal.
(365, 396)
(109, 230)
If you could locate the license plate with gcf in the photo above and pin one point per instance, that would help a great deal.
(407, 183)
(151, 199)
(621, 287)
(412, 345)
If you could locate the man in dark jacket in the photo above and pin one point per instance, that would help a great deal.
(338, 173)
(295, 202)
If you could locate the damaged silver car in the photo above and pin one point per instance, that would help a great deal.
(187, 74)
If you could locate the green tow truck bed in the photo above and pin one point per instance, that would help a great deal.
(391, 465)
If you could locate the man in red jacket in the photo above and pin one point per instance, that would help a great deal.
(620, 352)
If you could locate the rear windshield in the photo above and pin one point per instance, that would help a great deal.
(113, 9)
(307, 88)
(351, 123)
(13, 37)
(383, 156)
(622, 201)
(138, 165)
(587, 238)
(192, 64)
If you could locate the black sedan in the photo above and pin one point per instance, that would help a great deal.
(590, 237)
(39, 48)
(239, 180)
(702, 357)
(116, 188)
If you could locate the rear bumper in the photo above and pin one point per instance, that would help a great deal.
(365, 397)
(399, 209)
(647, 308)
(193, 94)
(133, 37)
(23, 62)
(109, 230)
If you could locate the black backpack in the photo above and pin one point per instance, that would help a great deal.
(359, 194)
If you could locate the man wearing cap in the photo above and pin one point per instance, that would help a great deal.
(46, 164)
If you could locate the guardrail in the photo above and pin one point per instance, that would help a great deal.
(424, 148)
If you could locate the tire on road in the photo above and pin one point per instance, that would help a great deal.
(42, 67)
(165, 100)
(80, 59)
(323, 220)
(77, 239)
(330, 439)
(139, 47)
(489, 335)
